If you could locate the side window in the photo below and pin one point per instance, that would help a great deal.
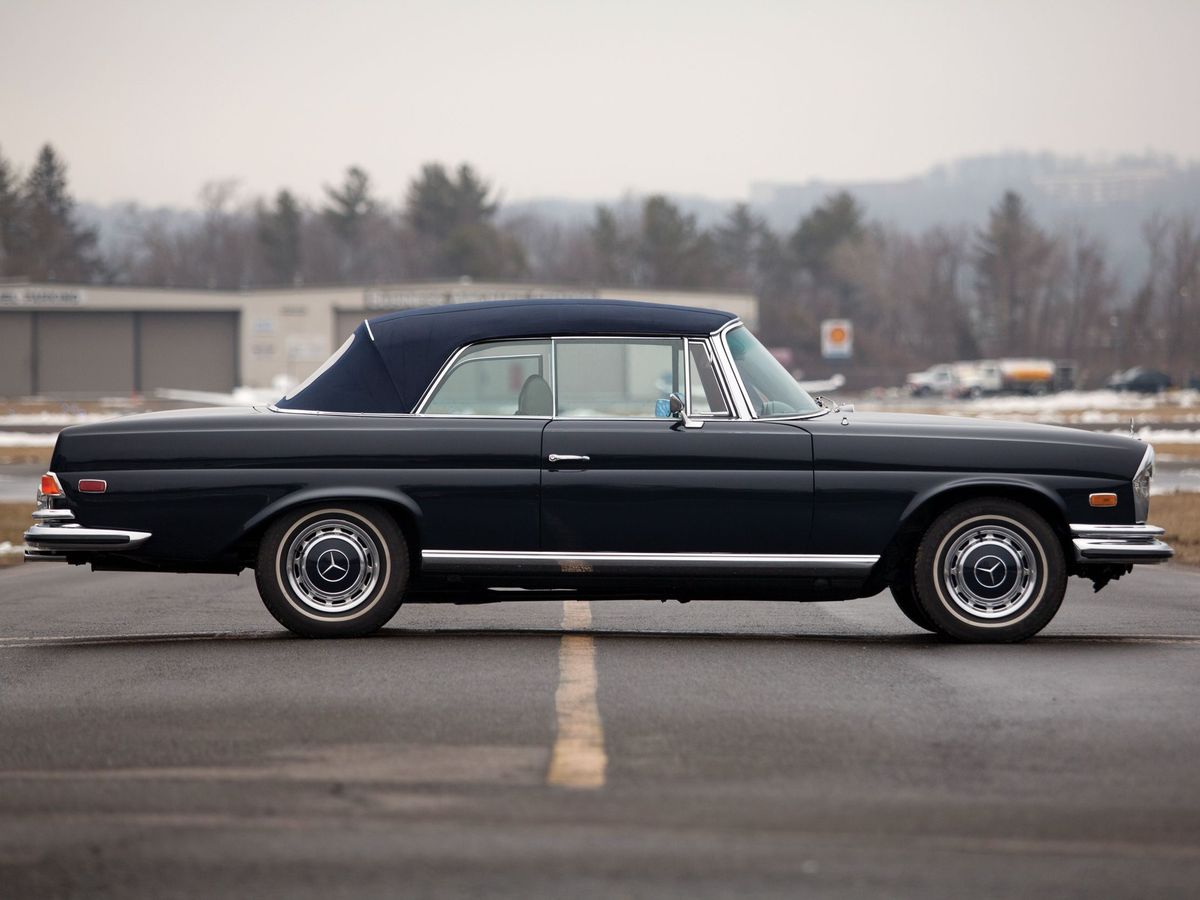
(618, 377)
(511, 378)
(706, 397)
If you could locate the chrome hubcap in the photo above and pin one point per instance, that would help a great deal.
(333, 565)
(990, 571)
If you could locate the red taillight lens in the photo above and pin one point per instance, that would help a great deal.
(50, 486)
(92, 485)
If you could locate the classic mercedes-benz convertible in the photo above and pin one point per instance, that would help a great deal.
(478, 452)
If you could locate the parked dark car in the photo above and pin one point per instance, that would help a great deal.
(1140, 380)
(480, 452)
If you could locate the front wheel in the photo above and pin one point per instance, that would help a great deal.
(990, 570)
(336, 570)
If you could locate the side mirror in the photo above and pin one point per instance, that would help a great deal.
(679, 411)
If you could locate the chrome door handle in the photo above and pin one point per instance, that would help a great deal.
(568, 457)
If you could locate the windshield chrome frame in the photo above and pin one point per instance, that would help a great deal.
(721, 339)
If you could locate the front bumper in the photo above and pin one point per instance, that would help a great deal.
(1120, 544)
(55, 535)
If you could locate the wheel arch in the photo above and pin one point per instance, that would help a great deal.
(402, 508)
(926, 506)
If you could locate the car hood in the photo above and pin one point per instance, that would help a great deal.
(990, 428)
(904, 440)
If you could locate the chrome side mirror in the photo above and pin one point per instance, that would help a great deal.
(679, 411)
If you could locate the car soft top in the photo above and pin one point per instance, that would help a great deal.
(391, 359)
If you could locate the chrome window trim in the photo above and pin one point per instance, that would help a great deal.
(678, 339)
(741, 396)
(734, 391)
(370, 333)
(705, 343)
(722, 334)
(451, 364)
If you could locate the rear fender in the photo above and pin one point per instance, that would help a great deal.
(324, 494)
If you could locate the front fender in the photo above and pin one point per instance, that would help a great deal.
(976, 485)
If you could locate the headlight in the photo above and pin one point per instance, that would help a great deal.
(1141, 486)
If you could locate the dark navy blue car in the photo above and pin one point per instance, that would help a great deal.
(479, 452)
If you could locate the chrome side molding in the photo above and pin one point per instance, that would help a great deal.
(561, 563)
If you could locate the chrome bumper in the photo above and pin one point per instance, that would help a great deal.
(55, 535)
(1122, 544)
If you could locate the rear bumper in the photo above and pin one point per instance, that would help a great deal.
(51, 542)
(1121, 544)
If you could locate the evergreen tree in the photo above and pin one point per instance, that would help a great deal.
(51, 245)
(279, 237)
(347, 211)
(455, 215)
(1011, 255)
(668, 246)
(838, 219)
(438, 205)
(609, 247)
(736, 248)
(10, 215)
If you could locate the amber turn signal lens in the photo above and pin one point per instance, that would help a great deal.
(1102, 499)
(50, 486)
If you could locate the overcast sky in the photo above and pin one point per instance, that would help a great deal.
(148, 100)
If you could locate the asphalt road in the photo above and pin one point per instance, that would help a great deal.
(161, 737)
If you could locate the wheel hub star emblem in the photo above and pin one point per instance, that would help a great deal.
(333, 565)
(990, 571)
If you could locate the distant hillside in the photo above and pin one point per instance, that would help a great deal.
(1111, 198)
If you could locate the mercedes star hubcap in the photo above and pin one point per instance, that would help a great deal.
(333, 565)
(990, 571)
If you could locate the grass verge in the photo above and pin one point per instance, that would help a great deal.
(25, 456)
(14, 519)
(1177, 452)
(1179, 514)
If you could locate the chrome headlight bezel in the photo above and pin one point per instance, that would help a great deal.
(1141, 486)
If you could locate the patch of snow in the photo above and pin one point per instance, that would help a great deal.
(18, 420)
(242, 396)
(1165, 435)
(7, 548)
(26, 439)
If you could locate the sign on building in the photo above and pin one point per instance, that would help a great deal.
(41, 296)
(837, 338)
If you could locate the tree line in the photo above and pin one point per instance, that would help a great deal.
(1009, 287)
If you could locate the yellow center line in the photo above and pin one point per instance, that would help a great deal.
(578, 759)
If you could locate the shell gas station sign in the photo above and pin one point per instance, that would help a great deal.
(837, 338)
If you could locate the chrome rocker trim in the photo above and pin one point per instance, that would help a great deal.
(1119, 544)
(558, 563)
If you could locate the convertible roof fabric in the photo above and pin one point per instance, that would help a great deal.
(394, 357)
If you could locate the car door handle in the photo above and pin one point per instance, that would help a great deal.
(568, 457)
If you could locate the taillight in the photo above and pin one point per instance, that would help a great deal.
(50, 486)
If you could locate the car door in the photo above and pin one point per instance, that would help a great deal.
(618, 478)
(471, 458)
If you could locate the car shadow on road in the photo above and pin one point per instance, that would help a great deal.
(909, 640)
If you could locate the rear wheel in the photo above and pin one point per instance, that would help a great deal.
(336, 570)
(902, 593)
(990, 570)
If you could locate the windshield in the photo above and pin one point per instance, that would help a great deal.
(773, 392)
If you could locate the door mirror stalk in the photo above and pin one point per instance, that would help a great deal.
(679, 411)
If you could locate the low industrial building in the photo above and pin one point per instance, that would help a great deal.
(88, 340)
